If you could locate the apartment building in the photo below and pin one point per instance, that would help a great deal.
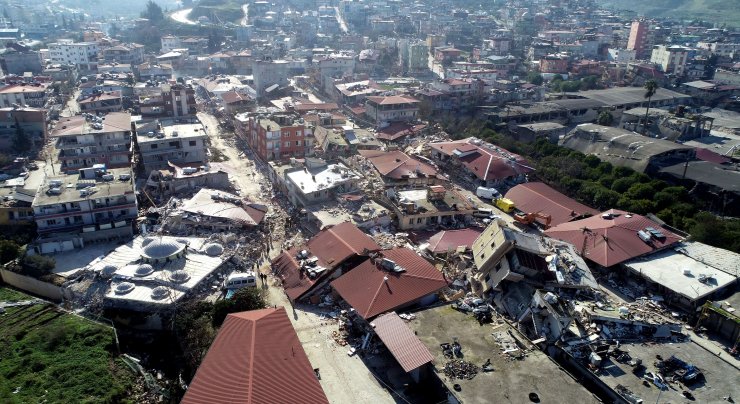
(132, 53)
(87, 140)
(277, 137)
(162, 142)
(670, 58)
(31, 120)
(640, 39)
(83, 55)
(391, 109)
(93, 204)
(179, 100)
(24, 94)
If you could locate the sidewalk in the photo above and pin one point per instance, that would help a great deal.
(714, 348)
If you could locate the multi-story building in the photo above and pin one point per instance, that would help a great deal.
(87, 140)
(670, 58)
(132, 53)
(269, 75)
(170, 43)
(32, 121)
(640, 39)
(318, 183)
(93, 204)
(179, 100)
(418, 57)
(102, 102)
(276, 137)
(149, 71)
(18, 59)
(162, 142)
(83, 55)
(391, 109)
(722, 49)
(554, 64)
(31, 94)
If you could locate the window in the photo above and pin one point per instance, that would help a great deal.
(154, 146)
(418, 220)
(287, 144)
(193, 143)
(411, 221)
(297, 142)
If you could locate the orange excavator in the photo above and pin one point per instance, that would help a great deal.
(529, 218)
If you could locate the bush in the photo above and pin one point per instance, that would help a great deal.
(39, 263)
(9, 251)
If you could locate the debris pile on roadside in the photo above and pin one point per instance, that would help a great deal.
(460, 369)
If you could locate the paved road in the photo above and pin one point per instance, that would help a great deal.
(181, 16)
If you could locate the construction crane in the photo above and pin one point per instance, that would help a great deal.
(529, 218)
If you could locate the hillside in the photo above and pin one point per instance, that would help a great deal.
(720, 11)
(223, 10)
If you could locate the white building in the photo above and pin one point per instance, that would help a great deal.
(160, 143)
(622, 55)
(94, 205)
(671, 59)
(723, 49)
(170, 43)
(87, 140)
(83, 55)
(32, 95)
(314, 184)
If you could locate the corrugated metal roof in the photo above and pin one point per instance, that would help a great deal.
(255, 358)
(534, 197)
(610, 241)
(447, 240)
(331, 246)
(372, 290)
(486, 162)
(397, 164)
(403, 344)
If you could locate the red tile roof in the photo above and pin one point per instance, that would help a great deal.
(535, 197)
(712, 157)
(392, 100)
(255, 358)
(332, 246)
(401, 342)
(231, 97)
(487, 163)
(372, 290)
(397, 164)
(447, 240)
(608, 242)
(397, 130)
(326, 106)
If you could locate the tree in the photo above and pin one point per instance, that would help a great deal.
(605, 118)
(153, 12)
(651, 87)
(9, 251)
(21, 142)
(243, 300)
(535, 78)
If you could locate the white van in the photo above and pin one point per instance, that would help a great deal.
(487, 193)
(240, 280)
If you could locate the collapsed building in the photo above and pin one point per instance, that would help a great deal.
(215, 211)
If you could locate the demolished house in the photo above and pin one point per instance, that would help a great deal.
(175, 179)
(433, 207)
(390, 281)
(218, 211)
(397, 168)
(503, 255)
(305, 269)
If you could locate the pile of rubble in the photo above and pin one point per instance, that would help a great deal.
(388, 241)
(460, 369)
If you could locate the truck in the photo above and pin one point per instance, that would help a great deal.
(487, 193)
(507, 205)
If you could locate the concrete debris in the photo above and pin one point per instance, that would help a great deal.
(460, 369)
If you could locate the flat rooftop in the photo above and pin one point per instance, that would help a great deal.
(313, 180)
(81, 124)
(682, 274)
(718, 373)
(512, 380)
(148, 134)
(72, 185)
(628, 95)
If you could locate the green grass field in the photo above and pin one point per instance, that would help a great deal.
(11, 295)
(719, 11)
(50, 356)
